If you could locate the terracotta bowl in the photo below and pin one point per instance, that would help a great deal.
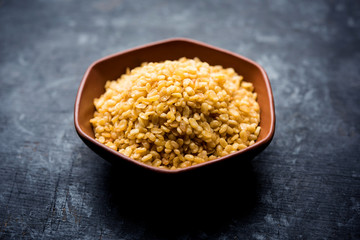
(113, 66)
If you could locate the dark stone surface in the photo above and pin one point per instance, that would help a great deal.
(305, 185)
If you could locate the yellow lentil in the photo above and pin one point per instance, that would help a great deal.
(176, 114)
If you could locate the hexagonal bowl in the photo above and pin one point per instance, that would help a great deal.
(113, 66)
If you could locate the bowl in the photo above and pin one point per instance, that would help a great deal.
(113, 66)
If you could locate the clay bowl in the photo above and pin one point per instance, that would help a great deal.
(111, 67)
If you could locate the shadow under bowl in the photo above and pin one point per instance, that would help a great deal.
(113, 66)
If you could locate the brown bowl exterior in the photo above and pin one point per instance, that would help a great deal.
(113, 66)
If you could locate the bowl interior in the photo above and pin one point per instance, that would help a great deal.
(112, 67)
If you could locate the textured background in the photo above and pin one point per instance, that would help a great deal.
(305, 185)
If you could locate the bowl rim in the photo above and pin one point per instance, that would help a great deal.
(257, 144)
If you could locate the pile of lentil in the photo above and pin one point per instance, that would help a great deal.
(175, 114)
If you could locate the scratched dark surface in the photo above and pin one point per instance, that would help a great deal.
(305, 185)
